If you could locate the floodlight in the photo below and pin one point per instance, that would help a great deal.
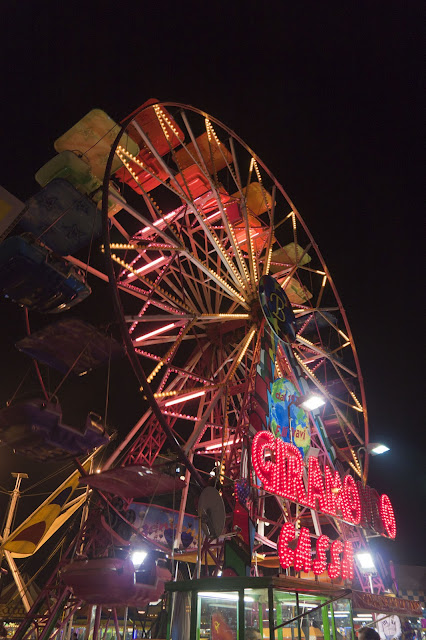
(311, 402)
(365, 561)
(138, 557)
(376, 449)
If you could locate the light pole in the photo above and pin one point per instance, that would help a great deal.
(376, 449)
(366, 566)
(22, 589)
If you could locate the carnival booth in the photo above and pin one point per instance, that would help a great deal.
(275, 607)
(272, 608)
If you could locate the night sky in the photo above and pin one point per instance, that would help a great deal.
(329, 96)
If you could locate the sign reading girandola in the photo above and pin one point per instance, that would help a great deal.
(279, 466)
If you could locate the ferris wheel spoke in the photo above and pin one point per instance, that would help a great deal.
(268, 250)
(200, 427)
(172, 241)
(325, 354)
(227, 263)
(243, 274)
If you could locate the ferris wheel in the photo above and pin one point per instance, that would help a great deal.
(233, 327)
(206, 234)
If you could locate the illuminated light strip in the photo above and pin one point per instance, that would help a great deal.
(326, 354)
(210, 131)
(171, 351)
(253, 256)
(220, 144)
(147, 354)
(150, 284)
(252, 235)
(256, 168)
(209, 134)
(158, 222)
(197, 390)
(311, 375)
(278, 368)
(136, 178)
(259, 177)
(155, 332)
(149, 265)
(229, 316)
(283, 220)
(239, 254)
(221, 249)
(347, 404)
(183, 416)
(285, 283)
(231, 264)
(146, 195)
(318, 365)
(119, 245)
(356, 399)
(162, 116)
(123, 153)
(242, 353)
(342, 346)
(213, 215)
(268, 260)
(218, 242)
(355, 458)
(343, 335)
(217, 445)
(214, 236)
(209, 138)
(213, 273)
(185, 398)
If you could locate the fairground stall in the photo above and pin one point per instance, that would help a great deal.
(274, 608)
(250, 454)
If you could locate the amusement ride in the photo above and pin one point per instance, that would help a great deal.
(250, 456)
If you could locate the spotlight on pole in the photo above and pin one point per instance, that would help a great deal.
(310, 402)
(365, 562)
(138, 557)
(375, 448)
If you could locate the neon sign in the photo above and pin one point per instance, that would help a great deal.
(279, 466)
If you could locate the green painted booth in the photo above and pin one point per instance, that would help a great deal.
(267, 608)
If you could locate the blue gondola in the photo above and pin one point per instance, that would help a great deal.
(64, 218)
(35, 429)
(32, 276)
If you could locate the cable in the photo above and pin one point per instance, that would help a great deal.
(52, 475)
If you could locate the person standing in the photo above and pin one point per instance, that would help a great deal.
(389, 628)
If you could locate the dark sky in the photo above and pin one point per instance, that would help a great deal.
(328, 94)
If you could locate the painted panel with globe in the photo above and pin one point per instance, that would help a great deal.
(286, 419)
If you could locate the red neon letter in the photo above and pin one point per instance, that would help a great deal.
(265, 469)
(315, 486)
(294, 488)
(302, 556)
(286, 555)
(350, 503)
(348, 561)
(320, 562)
(333, 487)
(333, 569)
(387, 515)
